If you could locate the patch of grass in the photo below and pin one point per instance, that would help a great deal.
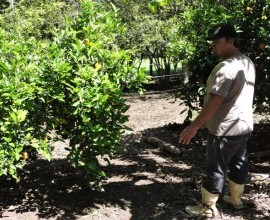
(146, 65)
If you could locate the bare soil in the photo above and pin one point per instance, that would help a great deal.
(143, 182)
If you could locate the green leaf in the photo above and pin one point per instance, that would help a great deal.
(153, 7)
(102, 173)
(47, 155)
(7, 139)
(21, 115)
(3, 67)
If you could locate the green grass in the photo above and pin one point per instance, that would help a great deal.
(146, 65)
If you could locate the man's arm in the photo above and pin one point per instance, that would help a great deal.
(205, 115)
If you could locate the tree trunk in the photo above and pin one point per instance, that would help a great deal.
(151, 66)
(167, 68)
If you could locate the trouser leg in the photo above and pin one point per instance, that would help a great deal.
(225, 154)
(238, 165)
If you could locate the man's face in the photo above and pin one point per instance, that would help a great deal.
(220, 47)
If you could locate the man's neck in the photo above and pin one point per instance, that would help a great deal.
(231, 53)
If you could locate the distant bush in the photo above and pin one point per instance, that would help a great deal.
(36, 18)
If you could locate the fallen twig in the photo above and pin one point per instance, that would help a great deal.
(162, 145)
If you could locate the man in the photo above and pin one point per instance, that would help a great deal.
(228, 115)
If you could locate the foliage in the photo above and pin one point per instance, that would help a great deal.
(251, 21)
(90, 74)
(22, 125)
(253, 17)
(200, 63)
(155, 5)
(72, 85)
(152, 32)
(68, 75)
(31, 18)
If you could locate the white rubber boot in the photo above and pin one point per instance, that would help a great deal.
(207, 208)
(236, 191)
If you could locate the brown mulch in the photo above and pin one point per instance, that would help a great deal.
(143, 182)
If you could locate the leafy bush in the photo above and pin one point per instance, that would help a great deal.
(21, 125)
(88, 73)
(36, 18)
(72, 85)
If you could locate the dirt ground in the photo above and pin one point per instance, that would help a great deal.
(143, 182)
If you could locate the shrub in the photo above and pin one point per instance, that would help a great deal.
(22, 124)
(72, 85)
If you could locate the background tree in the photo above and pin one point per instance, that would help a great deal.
(29, 18)
(152, 33)
(251, 21)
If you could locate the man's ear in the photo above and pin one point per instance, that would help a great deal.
(230, 41)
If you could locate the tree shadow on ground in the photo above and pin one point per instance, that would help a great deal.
(143, 183)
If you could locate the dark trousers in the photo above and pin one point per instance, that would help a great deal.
(226, 156)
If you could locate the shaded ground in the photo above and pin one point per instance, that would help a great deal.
(143, 182)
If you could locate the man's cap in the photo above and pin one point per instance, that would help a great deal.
(224, 30)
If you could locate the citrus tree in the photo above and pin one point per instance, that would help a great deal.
(71, 85)
(195, 25)
(22, 124)
(251, 19)
(87, 73)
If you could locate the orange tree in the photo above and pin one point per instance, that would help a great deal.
(196, 22)
(86, 73)
(251, 19)
(24, 125)
(22, 119)
(72, 85)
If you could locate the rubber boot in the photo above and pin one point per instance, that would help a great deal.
(208, 206)
(236, 191)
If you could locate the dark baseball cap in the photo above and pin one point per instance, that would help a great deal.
(223, 30)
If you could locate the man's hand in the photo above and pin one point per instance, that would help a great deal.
(187, 134)
(206, 114)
